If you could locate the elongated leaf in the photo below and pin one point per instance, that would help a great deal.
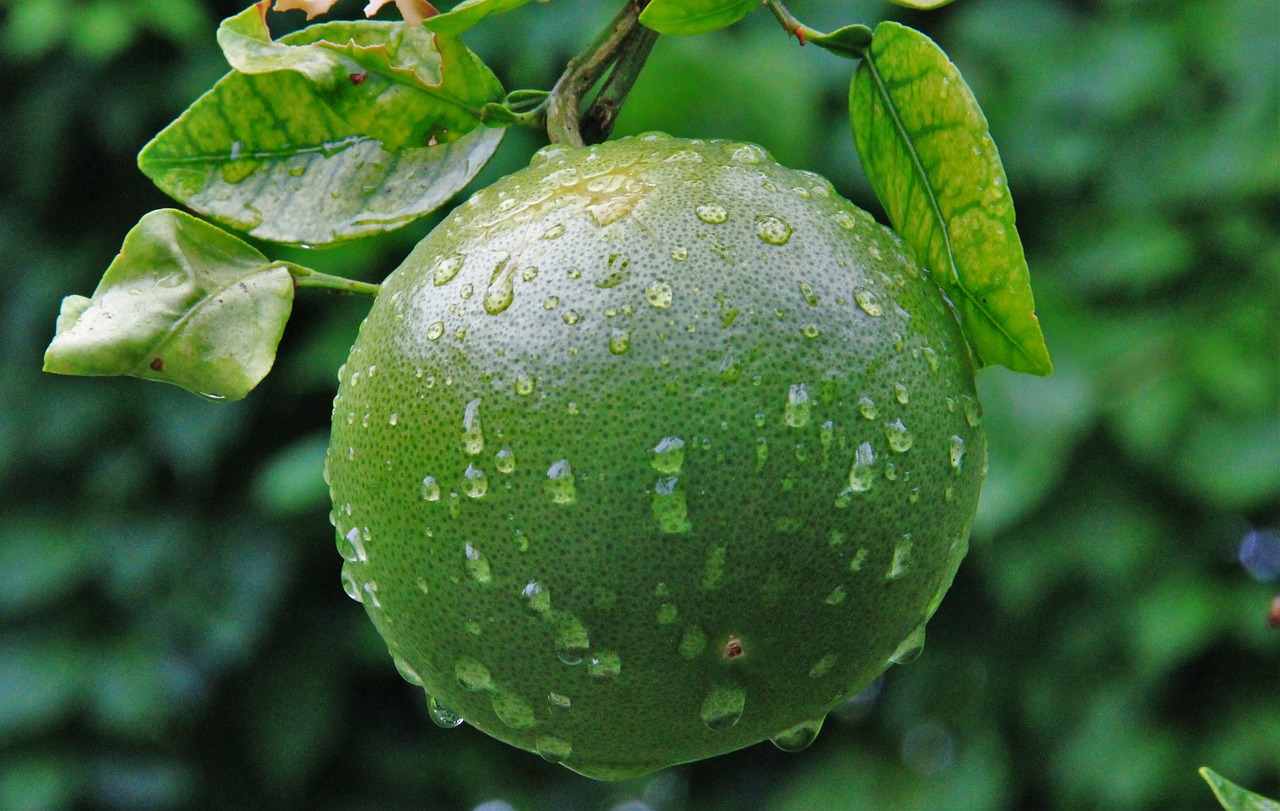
(184, 302)
(338, 131)
(926, 148)
(1233, 797)
(689, 17)
(922, 4)
(466, 14)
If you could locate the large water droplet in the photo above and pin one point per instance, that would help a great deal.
(349, 584)
(844, 220)
(572, 641)
(711, 213)
(810, 297)
(475, 483)
(500, 291)
(659, 294)
(351, 546)
(472, 430)
(869, 302)
(867, 408)
(773, 230)
(668, 455)
(471, 675)
(604, 665)
(435, 330)
(796, 411)
(722, 707)
(442, 715)
(552, 749)
(477, 564)
(620, 341)
(560, 483)
(505, 460)
(901, 394)
(901, 558)
(910, 648)
(972, 410)
(525, 384)
(957, 452)
(799, 737)
(511, 709)
(670, 508)
(430, 489)
(406, 670)
(899, 437)
(538, 599)
(615, 273)
(446, 269)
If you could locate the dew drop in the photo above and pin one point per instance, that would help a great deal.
(869, 302)
(772, 230)
(692, 642)
(559, 703)
(571, 317)
(762, 452)
(799, 737)
(505, 459)
(972, 410)
(659, 295)
(468, 290)
(668, 455)
(554, 232)
(604, 665)
(500, 291)
(796, 411)
(837, 596)
(809, 296)
(620, 341)
(680, 253)
(722, 707)
(529, 273)
(550, 302)
(471, 675)
(899, 437)
(405, 670)
(711, 213)
(511, 709)
(538, 599)
(901, 394)
(472, 430)
(525, 384)
(351, 546)
(572, 641)
(667, 613)
(867, 408)
(670, 508)
(560, 483)
(552, 749)
(823, 666)
(349, 584)
(810, 331)
(442, 715)
(910, 648)
(430, 489)
(446, 269)
(844, 220)
(477, 565)
(615, 272)
(901, 556)
(957, 452)
(476, 484)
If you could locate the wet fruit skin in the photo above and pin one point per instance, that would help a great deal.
(652, 451)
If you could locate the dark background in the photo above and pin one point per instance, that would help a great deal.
(172, 629)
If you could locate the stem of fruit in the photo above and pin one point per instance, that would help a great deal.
(624, 45)
(306, 277)
(789, 22)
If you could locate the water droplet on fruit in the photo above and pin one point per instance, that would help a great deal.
(551, 302)
(511, 709)
(899, 437)
(615, 272)
(349, 584)
(505, 459)
(446, 269)
(529, 273)
(901, 394)
(500, 291)
(680, 253)
(910, 648)
(525, 384)
(552, 749)
(538, 599)
(956, 449)
(351, 546)
(773, 230)
(867, 408)
(692, 642)
(619, 341)
(972, 410)
(572, 641)
(901, 554)
(823, 666)
(748, 154)
(405, 670)
(560, 483)
(861, 475)
(837, 596)
(554, 232)
(477, 564)
(667, 613)
(604, 665)
(476, 483)
(669, 507)
(799, 737)
(472, 430)
(809, 296)
(442, 715)
(762, 452)
(796, 411)
(430, 489)
(471, 675)
(668, 455)
(571, 317)
(869, 302)
(722, 707)
(810, 331)
(559, 703)
(713, 568)
(659, 295)
(711, 213)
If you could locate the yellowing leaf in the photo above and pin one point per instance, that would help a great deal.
(413, 11)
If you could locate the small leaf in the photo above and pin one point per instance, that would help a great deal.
(336, 132)
(1233, 797)
(923, 5)
(185, 303)
(688, 17)
(466, 14)
(926, 148)
(850, 42)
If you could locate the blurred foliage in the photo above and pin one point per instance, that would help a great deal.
(172, 630)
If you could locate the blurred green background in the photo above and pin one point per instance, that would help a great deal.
(172, 629)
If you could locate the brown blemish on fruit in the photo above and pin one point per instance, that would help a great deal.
(733, 649)
(157, 365)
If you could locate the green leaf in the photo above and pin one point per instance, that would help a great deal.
(926, 148)
(185, 303)
(336, 132)
(688, 17)
(924, 5)
(1233, 797)
(466, 14)
(850, 42)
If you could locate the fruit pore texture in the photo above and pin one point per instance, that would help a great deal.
(652, 451)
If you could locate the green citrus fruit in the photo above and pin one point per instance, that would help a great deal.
(651, 451)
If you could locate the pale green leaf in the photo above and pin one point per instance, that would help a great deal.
(689, 17)
(184, 303)
(850, 42)
(924, 5)
(927, 151)
(285, 152)
(467, 13)
(1233, 797)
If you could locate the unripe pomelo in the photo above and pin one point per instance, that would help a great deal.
(651, 451)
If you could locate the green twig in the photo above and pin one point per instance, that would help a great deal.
(597, 122)
(306, 277)
(789, 22)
